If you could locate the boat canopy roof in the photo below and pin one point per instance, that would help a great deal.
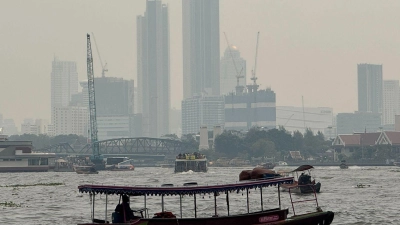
(183, 190)
(303, 167)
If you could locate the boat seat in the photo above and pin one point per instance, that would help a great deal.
(117, 217)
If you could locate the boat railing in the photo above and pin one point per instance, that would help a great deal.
(312, 186)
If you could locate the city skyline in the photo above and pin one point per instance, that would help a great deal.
(322, 42)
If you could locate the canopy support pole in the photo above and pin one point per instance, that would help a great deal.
(227, 201)
(145, 207)
(162, 203)
(248, 209)
(195, 206)
(279, 195)
(93, 207)
(262, 203)
(105, 219)
(180, 204)
(215, 204)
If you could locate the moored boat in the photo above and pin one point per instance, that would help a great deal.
(18, 156)
(265, 216)
(85, 170)
(303, 184)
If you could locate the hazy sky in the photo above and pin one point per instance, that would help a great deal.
(307, 48)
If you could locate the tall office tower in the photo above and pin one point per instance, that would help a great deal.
(390, 101)
(229, 74)
(64, 83)
(153, 68)
(201, 56)
(369, 88)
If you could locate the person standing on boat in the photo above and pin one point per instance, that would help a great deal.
(124, 209)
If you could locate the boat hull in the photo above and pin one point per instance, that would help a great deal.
(272, 217)
(301, 189)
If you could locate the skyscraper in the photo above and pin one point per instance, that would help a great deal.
(64, 84)
(369, 88)
(200, 24)
(390, 101)
(153, 68)
(229, 74)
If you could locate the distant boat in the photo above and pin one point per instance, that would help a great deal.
(267, 165)
(195, 162)
(85, 170)
(343, 165)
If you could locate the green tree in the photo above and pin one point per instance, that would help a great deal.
(228, 144)
(263, 148)
(191, 142)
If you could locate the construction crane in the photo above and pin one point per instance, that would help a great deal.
(103, 67)
(238, 74)
(253, 87)
(96, 158)
(254, 78)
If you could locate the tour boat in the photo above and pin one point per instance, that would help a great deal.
(193, 191)
(195, 162)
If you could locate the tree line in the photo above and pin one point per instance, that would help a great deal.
(273, 143)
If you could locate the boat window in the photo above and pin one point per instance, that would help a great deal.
(44, 161)
(32, 162)
(5, 160)
(18, 160)
(12, 159)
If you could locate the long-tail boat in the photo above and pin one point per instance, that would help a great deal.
(275, 216)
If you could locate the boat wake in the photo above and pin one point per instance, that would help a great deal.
(188, 172)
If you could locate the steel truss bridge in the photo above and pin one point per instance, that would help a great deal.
(142, 145)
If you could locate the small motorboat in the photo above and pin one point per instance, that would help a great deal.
(303, 184)
(360, 185)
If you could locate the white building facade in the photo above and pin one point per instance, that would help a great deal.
(70, 120)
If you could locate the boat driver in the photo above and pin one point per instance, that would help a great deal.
(124, 209)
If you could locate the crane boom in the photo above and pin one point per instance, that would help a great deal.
(103, 66)
(92, 105)
(254, 78)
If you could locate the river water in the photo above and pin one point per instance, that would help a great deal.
(63, 204)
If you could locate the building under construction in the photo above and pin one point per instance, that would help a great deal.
(251, 108)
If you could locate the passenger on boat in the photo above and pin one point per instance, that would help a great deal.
(124, 209)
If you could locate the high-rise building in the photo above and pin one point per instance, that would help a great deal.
(201, 52)
(250, 109)
(233, 69)
(390, 101)
(369, 88)
(114, 106)
(64, 82)
(200, 111)
(153, 68)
